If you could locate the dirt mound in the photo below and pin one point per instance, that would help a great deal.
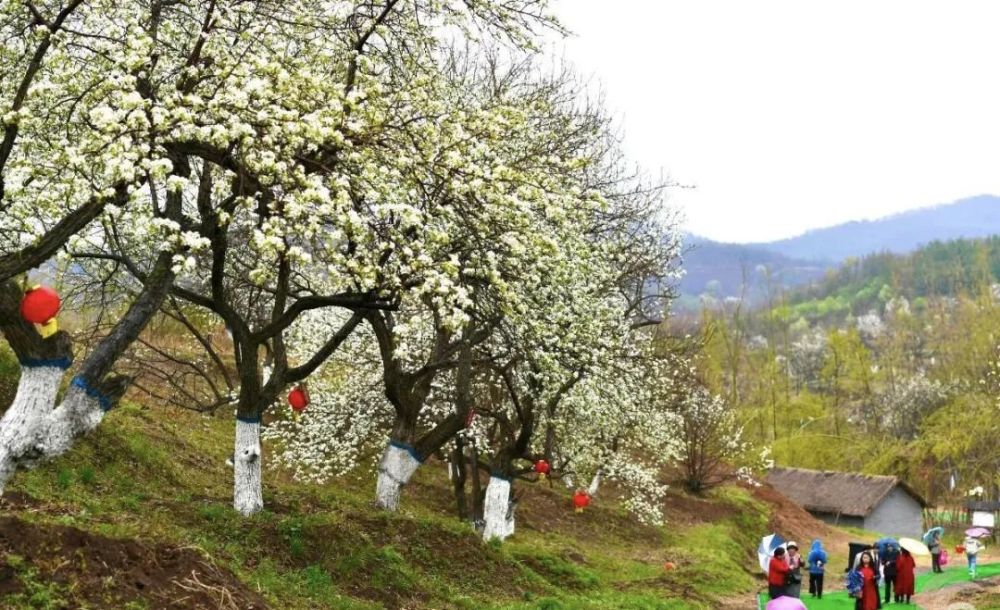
(109, 573)
(790, 519)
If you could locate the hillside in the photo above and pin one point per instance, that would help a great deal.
(967, 218)
(939, 269)
(720, 270)
(138, 516)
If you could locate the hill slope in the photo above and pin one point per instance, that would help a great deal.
(720, 270)
(137, 516)
(967, 218)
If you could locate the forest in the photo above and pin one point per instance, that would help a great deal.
(889, 365)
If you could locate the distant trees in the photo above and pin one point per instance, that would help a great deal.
(879, 361)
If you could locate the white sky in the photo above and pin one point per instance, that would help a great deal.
(794, 114)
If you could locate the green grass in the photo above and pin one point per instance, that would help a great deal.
(160, 477)
(38, 593)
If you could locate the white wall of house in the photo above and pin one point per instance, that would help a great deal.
(897, 515)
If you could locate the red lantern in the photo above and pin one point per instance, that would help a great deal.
(470, 417)
(581, 500)
(298, 399)
(40, 304)
(542, 468)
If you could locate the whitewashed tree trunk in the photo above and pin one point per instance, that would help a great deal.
(498, 511)
(248, 497)
(595, 485)
(398, 465)
(21, 425)
(81, 410)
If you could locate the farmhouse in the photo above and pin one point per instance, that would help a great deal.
(875, 503)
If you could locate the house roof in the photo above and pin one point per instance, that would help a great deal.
(983, 505)
(839, 493)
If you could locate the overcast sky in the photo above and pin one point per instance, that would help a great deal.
(794, 114)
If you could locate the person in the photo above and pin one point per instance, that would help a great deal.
(972, 548)
(870, 598)
(904, 576)
(777, 574)
(888, 560)
(794, 587)
(817, 569)
(935, 549)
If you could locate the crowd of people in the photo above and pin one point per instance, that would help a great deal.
(891, 564)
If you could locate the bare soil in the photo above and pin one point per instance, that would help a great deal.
(109, 573)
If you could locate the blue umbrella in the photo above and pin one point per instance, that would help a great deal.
(929, 535)
(883, 544)
(766, 548)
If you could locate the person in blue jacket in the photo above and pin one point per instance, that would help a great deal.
(817, 568)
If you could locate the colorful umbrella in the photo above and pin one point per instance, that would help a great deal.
(766, 549)
(977, 532)
(786, 603)
(914, 546)
(928, 537)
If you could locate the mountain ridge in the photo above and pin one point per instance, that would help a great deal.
(901, 233)
(718, 269)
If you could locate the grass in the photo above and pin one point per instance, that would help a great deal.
(38, 593)
(160, 477)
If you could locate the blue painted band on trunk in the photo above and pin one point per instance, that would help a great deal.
(38, 363)
(407, 448)
(101, 399)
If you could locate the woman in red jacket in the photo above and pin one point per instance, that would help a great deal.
(904, 576)
(777, 572)
(869, 590)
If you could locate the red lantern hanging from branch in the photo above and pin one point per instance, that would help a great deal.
(470, 417)
(298, 399)
(581, 500)
(543, 469)
(41, 305)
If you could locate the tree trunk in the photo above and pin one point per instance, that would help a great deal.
(399, 462)
(81, 410)
(247, 495)
(498, 511)
(22, 423)
(458, 476)
(477, 492)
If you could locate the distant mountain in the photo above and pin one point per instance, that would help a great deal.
(719, 270)
(970, 218)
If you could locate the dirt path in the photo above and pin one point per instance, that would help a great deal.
(959, 597)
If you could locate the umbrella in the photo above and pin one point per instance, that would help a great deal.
(766, 549)
(786, 603)
(977, 532)
(929, 535)
(914, 546)
(883, 544)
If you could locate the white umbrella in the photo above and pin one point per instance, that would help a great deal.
(914, 546)
(766, 549)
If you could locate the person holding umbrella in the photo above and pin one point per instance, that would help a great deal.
(777, 574)
(972, 548)
(817, 569)
(933, 541)
(889, 570)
